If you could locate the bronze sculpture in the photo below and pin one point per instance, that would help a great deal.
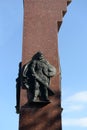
(36, 78)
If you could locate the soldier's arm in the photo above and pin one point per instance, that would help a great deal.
(33, 65)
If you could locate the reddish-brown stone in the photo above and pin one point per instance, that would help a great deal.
(42, 19)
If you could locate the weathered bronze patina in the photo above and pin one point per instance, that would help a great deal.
(36, 78)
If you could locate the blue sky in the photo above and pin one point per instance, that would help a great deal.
(72, 40)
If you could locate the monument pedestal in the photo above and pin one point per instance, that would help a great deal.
(42, 20)
(47, 117)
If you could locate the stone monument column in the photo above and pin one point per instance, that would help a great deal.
(42, 20)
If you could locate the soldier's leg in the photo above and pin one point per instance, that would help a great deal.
(44, 93)
(36, 91)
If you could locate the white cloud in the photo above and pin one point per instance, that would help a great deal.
(79, 97)
(76, 102)
(74, 107)
(80, 122)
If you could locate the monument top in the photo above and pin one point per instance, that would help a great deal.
(41, 19)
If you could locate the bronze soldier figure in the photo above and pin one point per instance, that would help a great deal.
(36, 78)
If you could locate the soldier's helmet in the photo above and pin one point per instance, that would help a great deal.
(38, 56)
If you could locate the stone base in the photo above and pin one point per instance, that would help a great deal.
(40, 116)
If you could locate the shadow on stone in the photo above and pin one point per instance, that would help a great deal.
(36, 104)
